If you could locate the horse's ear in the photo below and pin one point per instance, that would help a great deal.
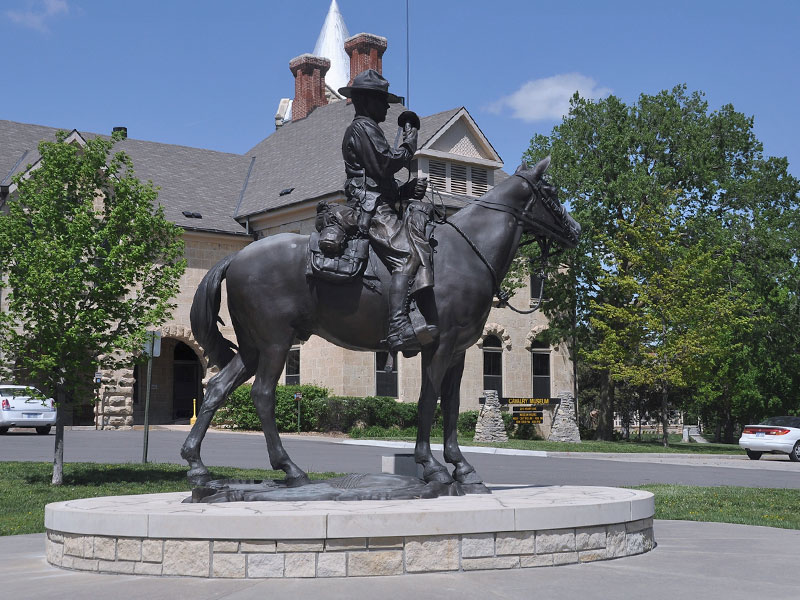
(541, 167)
(523, 166)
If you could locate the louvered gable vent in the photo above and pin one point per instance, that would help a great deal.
(458, 179)
(480, 181)
(438, 175)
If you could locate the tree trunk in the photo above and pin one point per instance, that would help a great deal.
(605, 422)
(58, 456)
(728, 426)
(665, 416)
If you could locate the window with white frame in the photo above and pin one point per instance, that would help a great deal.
(540, 368)
(493, 364)
(385, 381)
(458, 178)
(293, 367)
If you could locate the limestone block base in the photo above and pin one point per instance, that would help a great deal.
(514, 528)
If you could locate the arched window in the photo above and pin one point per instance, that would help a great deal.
(540, 369)
(493, 364)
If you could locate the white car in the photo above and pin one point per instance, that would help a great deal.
(777, 435)
(24, 406)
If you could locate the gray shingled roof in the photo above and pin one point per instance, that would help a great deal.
(307, 155)
(304, 154)
(190, 179)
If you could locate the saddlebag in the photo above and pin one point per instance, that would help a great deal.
(343, 268)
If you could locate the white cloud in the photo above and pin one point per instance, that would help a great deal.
(38, 14)
(547, 98)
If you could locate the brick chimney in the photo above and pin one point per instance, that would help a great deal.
(309, 84)
(366, 52)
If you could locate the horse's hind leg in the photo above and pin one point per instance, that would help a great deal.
(221, 385)
(270, 366)
(451, 399)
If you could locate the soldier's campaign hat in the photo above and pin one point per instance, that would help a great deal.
(370, 81)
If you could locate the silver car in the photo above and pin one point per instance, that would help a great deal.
(24, 406)
(777, 435)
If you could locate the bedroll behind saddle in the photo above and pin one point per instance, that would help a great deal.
(334, 255)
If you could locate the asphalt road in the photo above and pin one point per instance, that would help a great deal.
(331, 455)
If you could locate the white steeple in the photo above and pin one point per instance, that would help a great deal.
(330, 44)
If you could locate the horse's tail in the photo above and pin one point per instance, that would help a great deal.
(204, 316)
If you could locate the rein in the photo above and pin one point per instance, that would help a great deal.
(522, 216)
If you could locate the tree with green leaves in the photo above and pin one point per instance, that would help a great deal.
(688, 257)
(89, 262)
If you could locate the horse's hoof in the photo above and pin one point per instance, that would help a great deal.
(198, 476)
(438, 474)
(475, 488)
(298, 481)
(467, 475)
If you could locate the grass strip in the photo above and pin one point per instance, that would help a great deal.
(769, 507)
(25, 486)
(646, 445)
(25, 490)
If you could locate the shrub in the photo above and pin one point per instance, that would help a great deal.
(526, 432)
(311, 406)
(467, 421)
(238, 412)
(362, 417)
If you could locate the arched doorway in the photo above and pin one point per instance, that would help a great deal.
(186, 381)
(177, 376)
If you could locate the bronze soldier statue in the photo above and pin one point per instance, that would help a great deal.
(383, 208)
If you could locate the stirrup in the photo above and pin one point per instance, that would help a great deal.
(426, 334)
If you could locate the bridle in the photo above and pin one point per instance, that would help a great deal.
(539, 191)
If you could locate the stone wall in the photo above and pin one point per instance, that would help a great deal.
(348, 557)
(116, 408)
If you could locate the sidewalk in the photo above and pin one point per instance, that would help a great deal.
(718, 560)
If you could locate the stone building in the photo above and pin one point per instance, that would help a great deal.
(225, 201)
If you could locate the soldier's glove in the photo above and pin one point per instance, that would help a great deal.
(410, 137)
(364, 220)
(414, 188)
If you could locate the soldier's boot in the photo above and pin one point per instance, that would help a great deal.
(401, 336)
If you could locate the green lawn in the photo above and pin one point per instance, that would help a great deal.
(726, 504)
(25, 490)
(675, 447)
(647, 444)
(25, 486)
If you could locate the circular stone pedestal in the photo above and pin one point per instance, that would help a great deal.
(514, 527)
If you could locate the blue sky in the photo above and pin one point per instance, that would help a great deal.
(210, 74)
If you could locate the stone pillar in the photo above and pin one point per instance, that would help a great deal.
(490, 427)
(565, 423)
(114, 410)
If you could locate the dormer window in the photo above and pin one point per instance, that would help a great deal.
(458, 178)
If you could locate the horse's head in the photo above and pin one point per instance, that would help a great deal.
(544, 216)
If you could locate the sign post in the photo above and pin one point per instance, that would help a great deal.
(152, 348)
(298, 396)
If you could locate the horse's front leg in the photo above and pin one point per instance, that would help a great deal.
(464, 472)
(221, 385)
(433, 369)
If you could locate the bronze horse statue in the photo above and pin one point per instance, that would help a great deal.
(272, 303)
